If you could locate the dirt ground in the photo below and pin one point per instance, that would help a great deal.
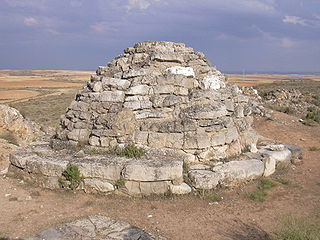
(236, 217)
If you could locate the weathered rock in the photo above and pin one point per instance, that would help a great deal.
(234, 172)
(15, 128)
(183, 188)
(154, 169)
(204, 179)
(94, 227)
(98, 185)
(269, 166)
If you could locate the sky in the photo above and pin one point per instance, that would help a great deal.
(236, 35)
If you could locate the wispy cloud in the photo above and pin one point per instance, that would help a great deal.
(103, 27)
(294, 20)
(30, 21)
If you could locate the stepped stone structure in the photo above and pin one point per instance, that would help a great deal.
(161, 95)
(167, 98)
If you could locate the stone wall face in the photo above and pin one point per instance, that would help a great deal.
(161, 95)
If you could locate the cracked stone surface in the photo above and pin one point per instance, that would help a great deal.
(95, 227)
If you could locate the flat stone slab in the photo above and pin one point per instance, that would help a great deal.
(95, 227)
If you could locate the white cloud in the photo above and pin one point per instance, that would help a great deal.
(140, 4)
(294, 20)
(287, 42)
(30, 21)
(102, 27)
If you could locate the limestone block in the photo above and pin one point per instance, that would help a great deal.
(167, 57)
(79, 106)
(172, 100)
(234, 172)
(218, 138)
(174, 140)
(142, 114)
(207, 111)
(153, 169)
(231, 134)
(283, 156)
(229, 105)
(219, 152)
(20, 158)
(239, 112)
(98, 185)
(81, 135)
(148, 188)
(213, 82)
(269, 166)
(296, 152)
(203, 138)
(100, 168)
(166, 89)
(46, 166)
(190, 140)
(133, 187)
(97, 87)
(204, 179)
(183, 188)
(135, 73)
(112, 96)
(117, 83)
(105, 141)
(94, 141)
(200, 167)
(157, 140)
(182, 91)
(185, 71)
(141, 137)
(139, 90)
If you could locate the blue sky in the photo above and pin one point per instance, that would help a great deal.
(236, 35)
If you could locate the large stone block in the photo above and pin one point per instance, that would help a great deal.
(207, 111)
(102, 168)
(204, 179)
(120, 84)
(153, 169)
(98, 185)
(183, 188)
(112, 96)
(234, 172)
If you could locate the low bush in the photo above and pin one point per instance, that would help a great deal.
(71, 177)
(132, 151)
(298, 229)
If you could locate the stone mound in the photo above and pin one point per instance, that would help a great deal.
(94, 227)
(160, 95)
(194, 127)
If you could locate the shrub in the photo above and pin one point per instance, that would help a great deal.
(298, 229)
(258, 195)
(132, 151)
(314, 149)
(73, 177)
(266, 184)
(209, 195)
(313, 114)
(120, 183)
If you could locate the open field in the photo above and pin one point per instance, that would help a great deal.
(237, 217)
(250, 80)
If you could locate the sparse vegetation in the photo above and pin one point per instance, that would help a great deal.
(132, 151)
(9, 137)
(260, 193)
(314, 149)
(266, 184)
(120, 183)
(246, 149)
(298, 229)
(283, 181)
(313, 114)
(209, 195)
(71, 177)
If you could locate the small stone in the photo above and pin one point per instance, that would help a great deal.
(28, 198)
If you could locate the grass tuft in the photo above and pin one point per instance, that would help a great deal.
(132, 151)
(314, 149)
(209, 195)
(72, 177)
(298, 229)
